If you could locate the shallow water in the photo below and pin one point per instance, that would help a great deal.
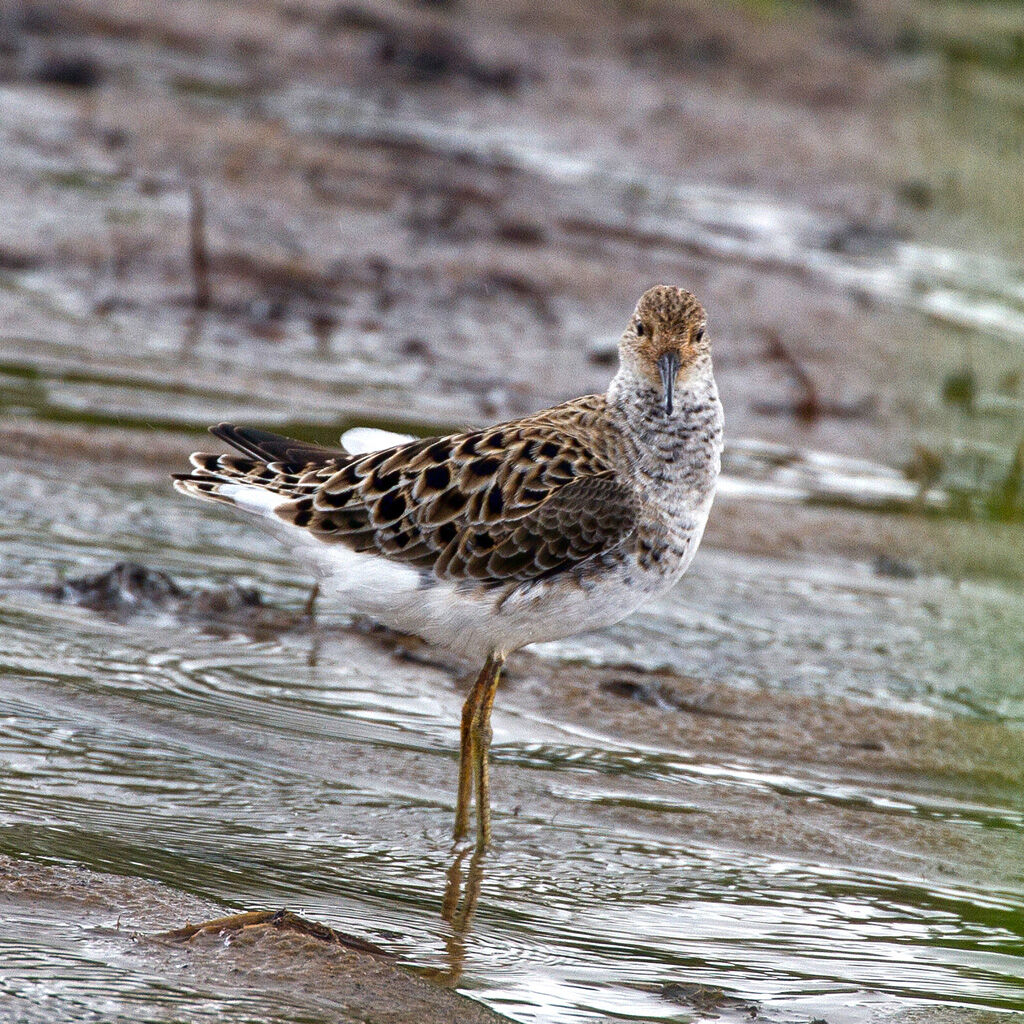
(316, 770)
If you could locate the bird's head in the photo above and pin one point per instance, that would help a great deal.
(665, 341)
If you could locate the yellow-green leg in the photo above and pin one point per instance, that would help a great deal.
(481, 730)
(465, 796)
(476, 741)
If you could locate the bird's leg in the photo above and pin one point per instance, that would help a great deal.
(453, 887)
(466, 758)
(471, 895)
(481, 733)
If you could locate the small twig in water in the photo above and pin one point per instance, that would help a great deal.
(309, 608)
(808, 406)
(197, 248)
(322, 324)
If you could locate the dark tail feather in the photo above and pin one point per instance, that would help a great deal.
(262, 444)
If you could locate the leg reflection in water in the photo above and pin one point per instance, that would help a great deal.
(458, 908)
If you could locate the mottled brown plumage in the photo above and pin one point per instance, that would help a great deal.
(510, 503)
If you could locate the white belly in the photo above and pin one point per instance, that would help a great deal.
(474, 621)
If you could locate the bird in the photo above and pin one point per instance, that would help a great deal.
(530, 530)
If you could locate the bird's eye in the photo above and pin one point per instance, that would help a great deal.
(640, 328)
(699, 336)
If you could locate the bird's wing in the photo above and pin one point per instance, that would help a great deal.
(575, 523)
(512, 503)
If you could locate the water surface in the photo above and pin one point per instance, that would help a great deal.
(314, 769)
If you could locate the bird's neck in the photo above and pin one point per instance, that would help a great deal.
(677, 456)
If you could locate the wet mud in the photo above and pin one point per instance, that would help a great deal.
(277, 965)
(789, 791)
(129, 589)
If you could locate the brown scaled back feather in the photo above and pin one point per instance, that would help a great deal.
(511, 503)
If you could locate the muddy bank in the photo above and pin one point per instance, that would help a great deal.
(117, 927)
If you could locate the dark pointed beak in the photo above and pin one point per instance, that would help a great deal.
(668, 367)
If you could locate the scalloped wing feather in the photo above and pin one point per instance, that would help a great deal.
(512, 503)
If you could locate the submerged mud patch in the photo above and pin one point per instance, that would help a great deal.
(130, 589)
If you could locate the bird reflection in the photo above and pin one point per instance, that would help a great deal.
(459, 906)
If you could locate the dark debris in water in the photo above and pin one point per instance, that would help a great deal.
(71, 72)
(279, 920)
(663, 694)
(893, 568)
(129, 589)
(630, 689)
(706, 999)
(434, 56)
(861, 239)
(961, 388)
